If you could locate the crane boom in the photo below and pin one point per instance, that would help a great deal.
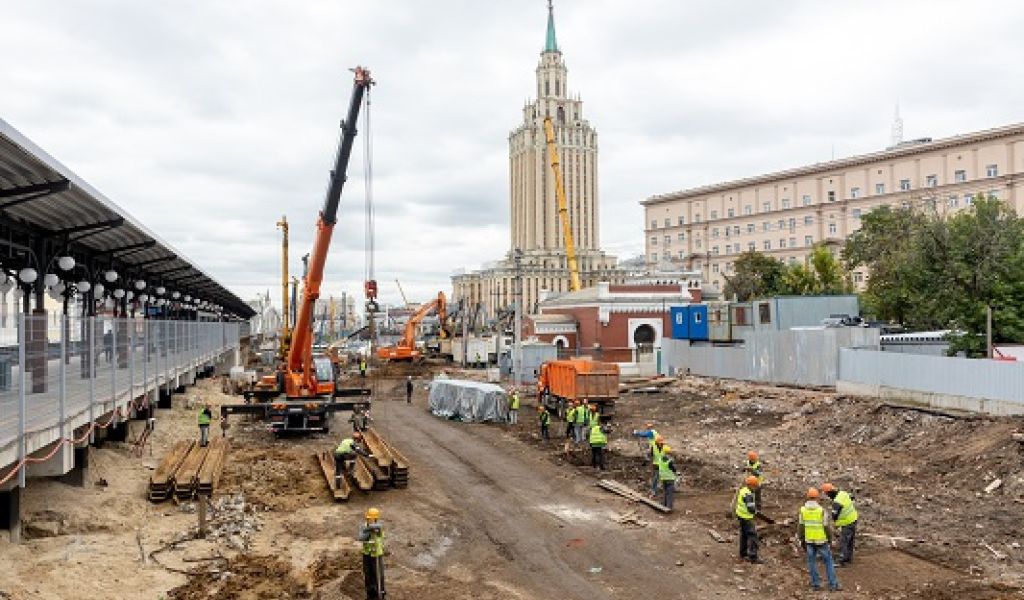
(563, 210)
(285, 311)
(301, 380)
(402, 292)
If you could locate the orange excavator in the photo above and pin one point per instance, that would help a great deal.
(405, 349)
(301, 396)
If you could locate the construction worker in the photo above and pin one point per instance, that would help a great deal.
(345, 455)
(598, 440)
(655, 443)
(360, 418)
(372, 537)
(204, 419)
(545, 421)
(513, 406)
(745, 509)
(580, 422)
(814, 536)
(844, 516)
(477, 362)
(753, 467)
(667, 474)
(570, 418)
(362, 367)
(408, 389)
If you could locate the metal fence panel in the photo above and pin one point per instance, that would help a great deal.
(982, 379)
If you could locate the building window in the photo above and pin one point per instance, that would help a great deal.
(766, 226)
(831, 227)
(994, 193)
(714, 268)
(682, 220)
(766, 206)
(682, 254)
(931, 180)
(879, 189)
(668, 240)
(654, 241)
(992, 171)
(732, 212)
(807, 200)
(728, 248)
(767, 244)
(968, 199)
(714, 251)
(831, 196)
(960, 176)
(808, 220)
(792, 223)
(668, 222)
(808, 240)
(654, 224)
(751, 246)
(714, 232)
(698, 244)
(748, 210)
(785, 203)
(682, 236)
(666, 255)
(856, 213)
(736, 229)
(792, 242)
(954, 201)
(750, 227)
(782, 224)
(904, 184)
(782, 242)
(714, 215)
(696, 218)
(855, 192)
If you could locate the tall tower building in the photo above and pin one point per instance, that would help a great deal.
(533, 209)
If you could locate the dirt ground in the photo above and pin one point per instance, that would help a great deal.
(492, 511)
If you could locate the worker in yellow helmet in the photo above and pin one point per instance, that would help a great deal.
(813, 534)
(844, 515)
(745, 509)
(372, 537)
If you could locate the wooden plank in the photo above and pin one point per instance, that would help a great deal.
(187, 476)
(172, 460)
(631, 494)
(341, 492)
(213, 462)
(363, 476)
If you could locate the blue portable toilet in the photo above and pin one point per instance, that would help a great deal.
(680, 322)
(698, 320)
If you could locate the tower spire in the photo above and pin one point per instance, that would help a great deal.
(897, 127)
(551, 44)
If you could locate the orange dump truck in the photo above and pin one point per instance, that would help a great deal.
(560, 382)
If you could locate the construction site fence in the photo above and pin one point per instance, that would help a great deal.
(58, 378)
(976, 385)
(799, 357)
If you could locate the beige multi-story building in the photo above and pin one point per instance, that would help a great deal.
(535, 226)
(784, 214)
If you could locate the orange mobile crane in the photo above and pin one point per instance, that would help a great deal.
(405, 349)
(302, 395)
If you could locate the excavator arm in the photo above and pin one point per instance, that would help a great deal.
(406, 347)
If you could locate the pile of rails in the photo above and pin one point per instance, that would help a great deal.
(188, 470)
(387, 468)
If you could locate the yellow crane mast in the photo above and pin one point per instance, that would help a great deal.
(563, 210)
(285, 313)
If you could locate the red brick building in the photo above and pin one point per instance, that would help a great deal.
(614, 322)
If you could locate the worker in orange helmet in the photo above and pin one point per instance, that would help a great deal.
(814, 536)
(754, 468)
(744, 508)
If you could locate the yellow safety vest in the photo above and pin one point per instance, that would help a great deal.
(581, 415)
(515, 402)
(741, 506)
(813, 520)
(847, 512)
(204, 417)
(570, 415)
(345, 447)
(597, 437)
(375, 545)
(665, 473)
(545, 418)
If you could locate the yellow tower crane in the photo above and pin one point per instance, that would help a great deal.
(285, 312)
(563, 210)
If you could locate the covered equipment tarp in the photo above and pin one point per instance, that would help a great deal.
(470, 401)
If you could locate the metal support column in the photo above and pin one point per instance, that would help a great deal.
(92, 378)
(62, 390)
(22, 340)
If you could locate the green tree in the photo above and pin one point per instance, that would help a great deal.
(823, 274)
(756, 275)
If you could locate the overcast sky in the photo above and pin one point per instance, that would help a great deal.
(207, 120)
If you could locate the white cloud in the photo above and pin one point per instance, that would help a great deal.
(208, 120)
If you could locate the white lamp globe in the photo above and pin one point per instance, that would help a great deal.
(28, 275)
(110, 276)
(119, 293)
(140, 285)
(66, 263)
(50, 280)
(83, 286)
(188, 298)
(143, 297)
(60, 288)
(176, 295)
(97, 290)
(130, 294)
(160, 290)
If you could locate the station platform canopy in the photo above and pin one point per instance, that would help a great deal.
(48, 212)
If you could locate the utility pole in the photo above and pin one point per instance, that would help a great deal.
(517, 349)
(988, 329)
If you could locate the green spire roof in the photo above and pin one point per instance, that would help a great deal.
(551, 44)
